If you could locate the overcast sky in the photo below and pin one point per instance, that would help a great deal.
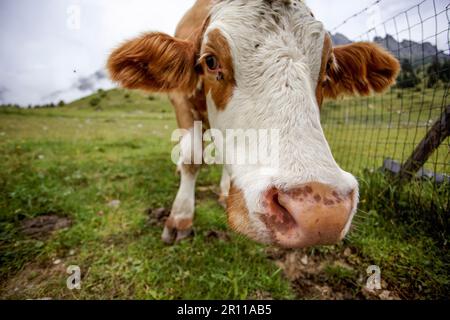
(45, 50)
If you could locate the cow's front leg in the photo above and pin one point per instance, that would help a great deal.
(179, 224)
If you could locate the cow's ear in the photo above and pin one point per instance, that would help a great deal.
(155, 62)
(360, 69)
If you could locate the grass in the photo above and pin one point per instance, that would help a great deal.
(73, 161)
(412, 236)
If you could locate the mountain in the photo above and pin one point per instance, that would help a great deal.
(416, 52)
(406, 49)
(339, 39)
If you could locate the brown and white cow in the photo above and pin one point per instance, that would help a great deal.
(237, 64)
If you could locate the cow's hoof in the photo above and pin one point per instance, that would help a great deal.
(184, 234)
(168, 235)
(171, 235)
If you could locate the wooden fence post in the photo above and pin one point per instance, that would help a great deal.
(434, 137)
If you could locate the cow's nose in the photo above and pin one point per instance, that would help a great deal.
(313, 214)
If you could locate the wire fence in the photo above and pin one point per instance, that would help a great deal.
(382, 131)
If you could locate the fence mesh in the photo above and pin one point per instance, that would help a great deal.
(366, 133)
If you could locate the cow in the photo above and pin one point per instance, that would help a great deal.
(261, 64)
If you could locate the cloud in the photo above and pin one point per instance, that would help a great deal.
(89, 83)
(41, 53)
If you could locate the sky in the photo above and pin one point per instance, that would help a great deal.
(53, 49)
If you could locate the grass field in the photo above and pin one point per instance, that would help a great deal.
(76, 161)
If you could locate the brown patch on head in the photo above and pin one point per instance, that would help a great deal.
(220, 82)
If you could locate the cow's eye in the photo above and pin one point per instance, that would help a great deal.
(211, 62)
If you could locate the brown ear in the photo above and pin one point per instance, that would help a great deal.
(155, 62)
(360, 68)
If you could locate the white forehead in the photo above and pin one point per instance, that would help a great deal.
(263, 32)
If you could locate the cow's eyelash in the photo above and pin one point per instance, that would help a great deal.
(203, 56)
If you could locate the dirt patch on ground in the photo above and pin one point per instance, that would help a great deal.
(217, 235)
(261, 295)
(337, 275)
(34, 280)
(157, 217)
(43, 226)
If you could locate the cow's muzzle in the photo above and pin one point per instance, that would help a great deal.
(311, 214)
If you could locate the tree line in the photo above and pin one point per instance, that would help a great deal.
(435, 73)
(38, 106)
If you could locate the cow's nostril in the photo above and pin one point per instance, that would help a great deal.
(278, 215)
(278, 206)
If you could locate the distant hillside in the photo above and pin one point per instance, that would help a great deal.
(123, 100)
(406, 49)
